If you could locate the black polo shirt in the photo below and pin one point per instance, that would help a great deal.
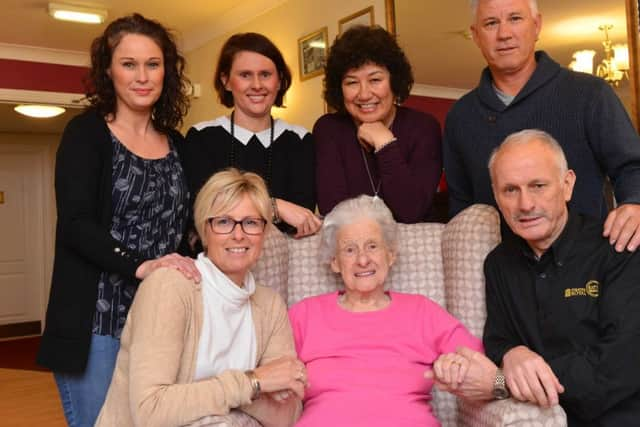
(578, 306)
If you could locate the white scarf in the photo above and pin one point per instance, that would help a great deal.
(228, 336)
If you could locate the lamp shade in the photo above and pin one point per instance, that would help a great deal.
(583, 61)
(621, 56)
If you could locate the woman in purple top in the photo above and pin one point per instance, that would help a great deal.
(372, 145)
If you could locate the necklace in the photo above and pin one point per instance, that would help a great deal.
(375, 189)
(232, 153)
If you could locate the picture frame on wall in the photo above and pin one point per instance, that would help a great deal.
(312, 53)
(361, 17)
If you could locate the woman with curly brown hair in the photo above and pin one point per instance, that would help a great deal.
(372, 145)
(122, 204)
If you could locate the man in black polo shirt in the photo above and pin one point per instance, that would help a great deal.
(563, 307)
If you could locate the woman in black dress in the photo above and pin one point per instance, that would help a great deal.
(251, 77)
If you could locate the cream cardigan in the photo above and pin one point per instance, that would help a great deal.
(152, 384)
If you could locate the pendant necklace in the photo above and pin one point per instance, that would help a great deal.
(375, 189)
(232, 153)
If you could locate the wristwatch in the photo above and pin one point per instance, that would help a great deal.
(500, 390)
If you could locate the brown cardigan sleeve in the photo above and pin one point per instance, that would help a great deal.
(276, 337)
(163, 344)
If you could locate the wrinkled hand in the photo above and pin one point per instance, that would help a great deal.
(305, 221)
(284, 374)
(450, 369)
(477, 381)
(374, 135)
(530, 378)
(184, 265)
(622, 227)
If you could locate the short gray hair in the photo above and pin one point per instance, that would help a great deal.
(526, 136)
(473, 4)
(348, 212)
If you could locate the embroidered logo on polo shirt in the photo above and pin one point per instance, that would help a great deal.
(591, 289)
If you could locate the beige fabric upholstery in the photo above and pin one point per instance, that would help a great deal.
(272, 269)
(235, 418)
(503, 413)
(466, 241)
(443, 262)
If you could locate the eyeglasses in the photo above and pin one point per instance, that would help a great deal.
(225, 225)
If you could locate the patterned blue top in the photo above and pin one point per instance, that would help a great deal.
(150, 209)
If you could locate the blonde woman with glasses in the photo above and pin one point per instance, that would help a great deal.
(193, 350)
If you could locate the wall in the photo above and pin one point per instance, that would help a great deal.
(438, 107)
(284, 25)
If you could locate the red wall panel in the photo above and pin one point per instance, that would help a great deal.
(438, 107)
(27, 75)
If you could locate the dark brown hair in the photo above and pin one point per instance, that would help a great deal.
(252, 42)
(173, 103)
(361, 45)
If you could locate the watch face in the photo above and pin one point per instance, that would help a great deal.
(500, 393)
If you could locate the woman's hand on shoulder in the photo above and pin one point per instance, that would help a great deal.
(305, 221)
(374, 135)
(184, 265)
(282, 376)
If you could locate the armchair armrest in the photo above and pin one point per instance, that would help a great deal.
(235, 418)
(509, 412)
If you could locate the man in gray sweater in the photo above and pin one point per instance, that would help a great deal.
(522, 89)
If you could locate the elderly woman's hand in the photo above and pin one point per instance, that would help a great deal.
(451, 369)
(183, 264)
(282, 375)
(305, 221)
(374, 135)
(477, 381)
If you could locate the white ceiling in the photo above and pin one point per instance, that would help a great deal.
(429, 31)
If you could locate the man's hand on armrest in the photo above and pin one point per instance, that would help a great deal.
(530, 378)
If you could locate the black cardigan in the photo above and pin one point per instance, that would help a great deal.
(84, 246)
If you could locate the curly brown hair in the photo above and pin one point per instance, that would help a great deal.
(252, 42)
(360, 45)
(173, 103)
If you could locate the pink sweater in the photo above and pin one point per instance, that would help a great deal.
(366, 369)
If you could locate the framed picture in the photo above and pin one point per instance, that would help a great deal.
(361, 17)
(312, 53)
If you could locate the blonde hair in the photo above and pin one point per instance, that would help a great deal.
(223, 191)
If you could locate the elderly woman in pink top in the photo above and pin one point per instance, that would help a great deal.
(366, 348)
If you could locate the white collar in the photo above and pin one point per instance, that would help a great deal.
(244, 135)
(222, 284)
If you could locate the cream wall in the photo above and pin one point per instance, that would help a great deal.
(284, 25)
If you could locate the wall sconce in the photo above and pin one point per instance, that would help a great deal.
(615, 65)
(83, 14)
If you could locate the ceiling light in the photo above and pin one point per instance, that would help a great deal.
(86, 15)
(39, 111)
